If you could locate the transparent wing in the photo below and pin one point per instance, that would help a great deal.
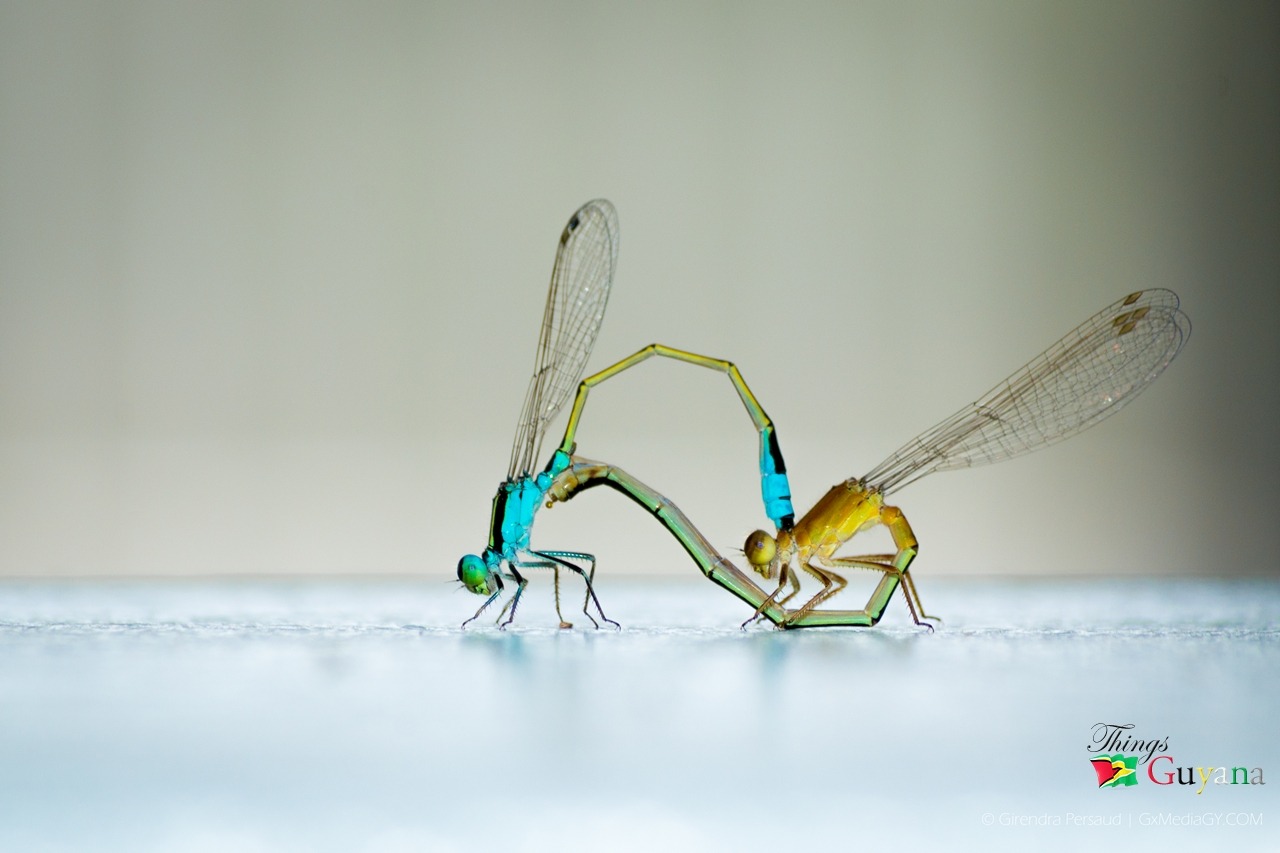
(580, 284)
(1085, 377)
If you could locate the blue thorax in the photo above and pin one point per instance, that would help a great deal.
(511, 520)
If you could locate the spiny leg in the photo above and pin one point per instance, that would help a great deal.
(864, 618)
(548, 562)
(515, 599)
(832, 583)
(497, 592)
(909, 589)
(591, 593)
(591, 585)
(908, 547)
(900, 562)
(556, 585)
(883, 563)
(909, 594)
(562, 558)
(554, 564)
(785, 575)
(795, 590)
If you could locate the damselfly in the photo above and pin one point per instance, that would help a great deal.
(580, 283)
(1099, 367)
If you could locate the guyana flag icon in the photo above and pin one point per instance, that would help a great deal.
(1115, 770)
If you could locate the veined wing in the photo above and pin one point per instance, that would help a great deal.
(1085, 377)
(580, 284)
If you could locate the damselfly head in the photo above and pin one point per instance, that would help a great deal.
(475, 575)
(760, 550)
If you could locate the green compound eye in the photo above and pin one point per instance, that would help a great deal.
(474, 574)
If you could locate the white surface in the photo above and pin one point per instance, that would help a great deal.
(356, 716)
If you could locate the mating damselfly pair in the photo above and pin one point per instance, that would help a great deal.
(1088, 375)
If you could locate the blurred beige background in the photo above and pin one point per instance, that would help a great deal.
(271, 273)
